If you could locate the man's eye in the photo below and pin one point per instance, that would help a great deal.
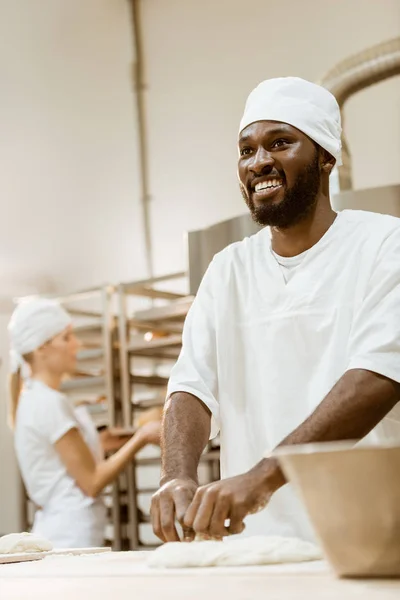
(279, 143)
(244, 151)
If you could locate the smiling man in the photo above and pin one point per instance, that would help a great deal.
(294, 336)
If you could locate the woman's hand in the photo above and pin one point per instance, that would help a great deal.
(150, 432)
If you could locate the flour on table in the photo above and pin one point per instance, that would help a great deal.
(258, 550)
(14, 543)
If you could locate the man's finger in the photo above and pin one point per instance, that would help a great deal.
(182, 498)
(188, 534)
(220, 514)
(201, 523)
(236, 524)
(191, 512)
(155, 519)
(167, 519)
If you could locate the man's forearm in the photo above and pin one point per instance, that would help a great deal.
(186, 430)
(354, 406)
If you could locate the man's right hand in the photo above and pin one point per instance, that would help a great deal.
(170, 504)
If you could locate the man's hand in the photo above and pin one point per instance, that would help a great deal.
(170, 504)
(232, 499)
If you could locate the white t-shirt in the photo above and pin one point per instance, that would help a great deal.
(43, 417)
(288, 264)
(262, 353)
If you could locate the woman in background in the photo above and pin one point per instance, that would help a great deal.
(58, 448)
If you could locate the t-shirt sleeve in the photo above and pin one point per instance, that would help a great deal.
(56, 417)
(195, 372)
(375, 337)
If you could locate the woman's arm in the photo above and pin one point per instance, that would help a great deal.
(93, 477)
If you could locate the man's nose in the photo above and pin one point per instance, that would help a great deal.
(262, 162)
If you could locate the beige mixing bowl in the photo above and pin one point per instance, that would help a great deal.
(352, 495)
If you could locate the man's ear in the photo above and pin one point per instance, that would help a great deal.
(327, 161)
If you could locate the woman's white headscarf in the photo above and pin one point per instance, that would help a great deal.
(307, 106)
(33, 323)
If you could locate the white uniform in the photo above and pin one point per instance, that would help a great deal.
(264, 343)
(67, 517)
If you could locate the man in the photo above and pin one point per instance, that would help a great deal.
(294, 336)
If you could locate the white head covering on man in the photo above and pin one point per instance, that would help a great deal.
(307, 106)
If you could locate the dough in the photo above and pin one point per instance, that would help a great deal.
(258, 550)
(13, 543)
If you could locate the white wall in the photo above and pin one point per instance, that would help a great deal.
(68, 152)
(203, 58)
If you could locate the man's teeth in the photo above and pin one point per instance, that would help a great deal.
(264, 185)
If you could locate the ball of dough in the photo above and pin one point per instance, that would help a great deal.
(14, 543)
(257, 550)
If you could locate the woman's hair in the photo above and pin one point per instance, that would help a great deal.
(15, 382)
(14, 390)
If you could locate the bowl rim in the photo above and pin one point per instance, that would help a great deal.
(328, 447)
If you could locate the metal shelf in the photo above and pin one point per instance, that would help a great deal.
(133, 286)
(151, 380)
(147, 490)
(156, 294)
(88, 327)
(211, 456)
(141, 346)
(146, 405)
(90, 354)
(160, 327)
(162, 356)
(83, 383)
(173, 311)
(144, 518)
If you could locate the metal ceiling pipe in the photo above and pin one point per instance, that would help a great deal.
(355, 74)
(139, 90)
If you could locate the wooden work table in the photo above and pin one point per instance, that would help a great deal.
(124, 575)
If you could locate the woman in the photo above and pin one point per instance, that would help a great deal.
(58, 448)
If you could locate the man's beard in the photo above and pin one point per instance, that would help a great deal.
(298, 201)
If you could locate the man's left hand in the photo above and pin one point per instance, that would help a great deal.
(232, 499)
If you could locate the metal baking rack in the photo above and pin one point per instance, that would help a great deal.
(130, 336)
(151, 315)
